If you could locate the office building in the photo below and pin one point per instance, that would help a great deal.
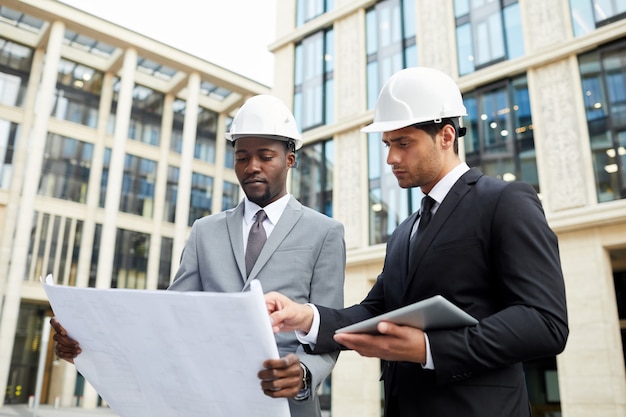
(99, 152)
(111, 145)
(544, 82)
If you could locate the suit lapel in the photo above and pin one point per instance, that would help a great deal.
(449, 203)
(234, 221)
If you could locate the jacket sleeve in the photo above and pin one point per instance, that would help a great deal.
(333, 319)
(326, 289)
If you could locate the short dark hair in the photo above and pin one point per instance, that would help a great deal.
(432, 128)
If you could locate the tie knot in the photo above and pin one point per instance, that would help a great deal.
(260, 216)
(427, 205)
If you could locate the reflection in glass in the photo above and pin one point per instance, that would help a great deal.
(603, 83)
(312, 179)
(130, 264)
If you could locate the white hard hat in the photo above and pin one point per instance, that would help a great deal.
(265, 116)
(416, 95)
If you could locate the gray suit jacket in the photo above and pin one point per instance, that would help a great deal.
(303, 258)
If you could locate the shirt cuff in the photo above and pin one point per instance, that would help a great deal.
(310, 338)
(429, 357)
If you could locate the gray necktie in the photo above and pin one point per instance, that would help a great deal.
(256, 240)
(424, 219)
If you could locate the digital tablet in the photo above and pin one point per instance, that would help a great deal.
(430, 314)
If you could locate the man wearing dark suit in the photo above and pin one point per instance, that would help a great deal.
(487, 248)
(303, 255)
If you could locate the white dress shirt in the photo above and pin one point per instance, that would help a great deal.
(438, 193)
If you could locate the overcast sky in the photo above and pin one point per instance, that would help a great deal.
(233, 34)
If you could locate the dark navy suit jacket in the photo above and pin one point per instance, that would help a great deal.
(490, 251)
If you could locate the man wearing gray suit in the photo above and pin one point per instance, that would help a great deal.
(302, 252)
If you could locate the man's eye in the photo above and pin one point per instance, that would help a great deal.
(241, 159)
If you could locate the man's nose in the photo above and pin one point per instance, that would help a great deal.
(253, 165)
(392, 157)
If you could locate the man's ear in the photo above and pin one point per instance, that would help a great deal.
(448, 136)
(291, 160)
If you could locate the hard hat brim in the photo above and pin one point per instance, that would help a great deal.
(236, 136)
(385, 126)
(392, 125)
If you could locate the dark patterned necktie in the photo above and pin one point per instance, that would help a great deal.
(256, 240)
(424, 218)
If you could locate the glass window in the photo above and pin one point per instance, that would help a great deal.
(130, 264)
(211, 90)
(603, 75)
(145, 116)
(155, 69)
(176, 141)
(389, 204)
(618, 263)
(310, 9)
(165, 263)
(230, 195)
(104, 180)
(138, 186)
(95, 255)
(54, 248)
(229, 159)
(206, 133)
(587, 15)
(314, 85)
(22, 376)
(20, 20)
(68, 263)
(500, 138)
(487, 32)
(201, 197)
(390, 43)
(312, 180)
(9, 133)
(543, 386)
(15, 63)
(77, 94)
(171, 194)
(66, 168)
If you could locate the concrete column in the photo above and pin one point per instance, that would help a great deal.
(563, 153)
(19, 167)
(34, 162)
(95, 178)
(116, 170)
(154, 255)
(436, 41)
(186, 161)
(220, 156)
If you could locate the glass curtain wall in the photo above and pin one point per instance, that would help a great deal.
(603, 75)
(313, 102)
(500, 139)
(312, 180)
(487, 32)
(77, 93)
(390, 43)
(588, 15)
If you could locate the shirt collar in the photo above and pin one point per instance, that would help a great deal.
(443, 187)
(273, 210)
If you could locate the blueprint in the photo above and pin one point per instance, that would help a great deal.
(151, 353)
